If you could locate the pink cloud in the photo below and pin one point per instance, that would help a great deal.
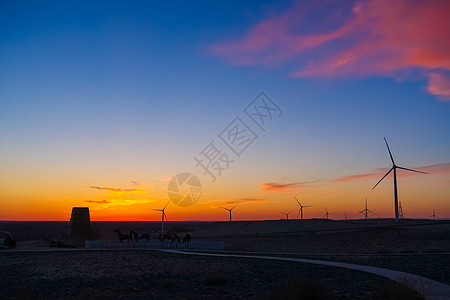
(439, 85)
(282, 187)
(357, 177)
(436, 169)
(372, 37)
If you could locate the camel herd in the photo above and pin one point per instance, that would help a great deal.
(163, 237)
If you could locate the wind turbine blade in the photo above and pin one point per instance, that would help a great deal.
(290, 211)
(155, 209)
(165, 216)
(166, 204)
(383, 177)
(412, 170)
(297, 201)
(224, 208)
(234, 206)
(307, 206)
(298, 214)
(390, 154)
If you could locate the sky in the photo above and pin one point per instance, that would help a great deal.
(128, 107)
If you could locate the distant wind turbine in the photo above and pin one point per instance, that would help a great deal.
(300, 212)
(163, 216)
(366, 212)
(395, 167)
(400, 210)
(326, 213)
(230, 209)
(287, 214)
(433, 216)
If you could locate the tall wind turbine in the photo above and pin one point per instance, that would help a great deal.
(395, 167)
(326, 213)
(300, 212)
(163, 216)
(287, 214)
(366, 211)
(230, 209)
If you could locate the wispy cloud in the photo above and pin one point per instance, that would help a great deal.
(165, 179)
(252, 200)
(98, 201)
(234, 201)
(138, 189)
(439, 85)
(436, 169)
(371, 37)
(282, 187)
(119, 202)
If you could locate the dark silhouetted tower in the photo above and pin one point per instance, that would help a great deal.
(80, 222)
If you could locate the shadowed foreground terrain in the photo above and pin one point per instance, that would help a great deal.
(414, 246)
(155, 275)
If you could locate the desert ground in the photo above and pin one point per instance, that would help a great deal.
(35, 270)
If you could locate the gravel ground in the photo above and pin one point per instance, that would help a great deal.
(157, 275)
(433, 266)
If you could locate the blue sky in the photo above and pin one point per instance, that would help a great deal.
(108, 93)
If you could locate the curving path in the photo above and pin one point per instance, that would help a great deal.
(432, 290)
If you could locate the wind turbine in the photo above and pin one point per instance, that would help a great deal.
(163, 216)
(366, 211)
(400, 208)
(230, 209)
(395, 167)
(433, 216)
(300, 212)
(326, 213)
(287, 214)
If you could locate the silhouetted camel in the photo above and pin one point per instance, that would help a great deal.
(139, 236)
(122, 236)
(187, 239)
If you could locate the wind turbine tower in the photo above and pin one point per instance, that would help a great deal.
(366, 211)
(230, 209)
(433, 216)
(394, 168)
(326, 213)
(287, 214)
(300, 212)
(163, 216)
(400, 209)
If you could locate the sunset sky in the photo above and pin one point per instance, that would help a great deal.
(103, 102)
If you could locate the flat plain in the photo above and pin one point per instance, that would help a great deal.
(35, 270)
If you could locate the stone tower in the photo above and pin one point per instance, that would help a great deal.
(80, 222)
